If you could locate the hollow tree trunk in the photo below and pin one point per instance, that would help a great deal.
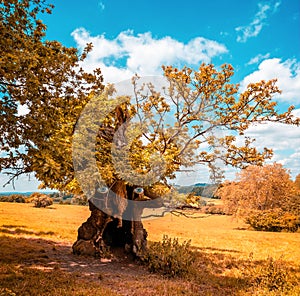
(105, 228)
(106, 233)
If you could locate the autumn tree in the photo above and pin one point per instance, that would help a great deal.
(265, 196)
(149, 135)
(257, 188)
(297, 182)
(121, 151)
(43, 78)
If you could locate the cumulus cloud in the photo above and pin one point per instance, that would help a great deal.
(258, 22)
(23, 110)
(127, 54)
(283, 139)
(287, 74)
(277, 136)
(292, 162)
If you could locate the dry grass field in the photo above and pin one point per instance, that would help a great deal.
(36, 258)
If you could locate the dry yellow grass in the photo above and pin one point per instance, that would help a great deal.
(219, 233)
(60, 221)
(224, 234)
(36, 259)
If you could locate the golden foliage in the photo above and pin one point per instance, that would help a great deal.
(260, 188)
(45, 77)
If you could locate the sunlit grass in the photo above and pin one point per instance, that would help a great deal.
(59, 221)
(229, 255)
(223, 233)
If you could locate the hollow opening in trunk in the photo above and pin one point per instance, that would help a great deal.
(115, 236)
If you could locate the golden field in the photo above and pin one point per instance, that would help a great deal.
(36, 258)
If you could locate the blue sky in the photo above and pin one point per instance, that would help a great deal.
(261, 39)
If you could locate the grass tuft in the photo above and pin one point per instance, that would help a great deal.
(171, 258)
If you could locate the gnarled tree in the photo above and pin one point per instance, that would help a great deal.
(124, 157)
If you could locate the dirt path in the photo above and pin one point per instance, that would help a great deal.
(123, 277)
(120, 275)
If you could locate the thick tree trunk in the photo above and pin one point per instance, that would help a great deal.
(105, 233)
(115, 221)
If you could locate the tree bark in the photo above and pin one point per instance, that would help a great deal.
(105, 233)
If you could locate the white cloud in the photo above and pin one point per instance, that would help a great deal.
(287, 74)
(120, 58)
(283, 139)
(258, 22)
(258, 58)
(279, 137)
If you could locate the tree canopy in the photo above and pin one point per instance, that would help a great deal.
(258, 188)
(171, 126)
(265, 197)
(45, 77)
(297, 182)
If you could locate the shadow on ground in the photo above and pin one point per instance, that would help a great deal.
(20, 229)
(32, 264)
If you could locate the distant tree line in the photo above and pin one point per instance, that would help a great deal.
(204, 190)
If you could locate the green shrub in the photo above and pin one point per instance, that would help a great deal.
(214, 209)
(273, 220)
(79, 200)
(292, 205)
(19, 198)
(41, 200)
(67, 202)
(194, 200)
(5, 198)
(273, 276)
(170, 258)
